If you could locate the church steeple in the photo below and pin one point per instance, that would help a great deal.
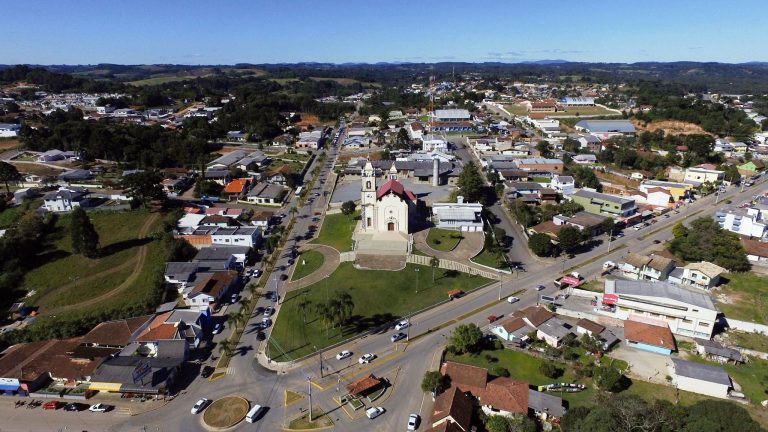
(393, 172)
(368, 177)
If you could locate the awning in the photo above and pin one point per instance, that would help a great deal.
(105, 386)
(130, 388)
(570, 280)
(647, 213)
(610, 299)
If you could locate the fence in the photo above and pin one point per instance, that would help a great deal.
(451, 265)
(750, 327)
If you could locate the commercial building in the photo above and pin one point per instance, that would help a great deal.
(745, 221)
(604, 204)
(702, 174)
(605, 129)
(459, 216)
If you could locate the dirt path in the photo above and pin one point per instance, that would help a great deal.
(138, 262)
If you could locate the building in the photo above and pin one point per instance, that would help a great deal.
(9, 130)
(236, 136)
(757, 251)
(552, 166)
(459, 216)
(702, 174)
(513, 330)
(237, 187)
(266, 194)
(284, 140)
(227, 160)
(604, 204)
(714, 351)
(451, 115)
(452, 412)
(605, 129)
(310, 140)
(74, 176)
(564, 185)
(649, 334)
(745, 221)
(585, 159)
(688, 312)
(211, 290)
(66, 200)
(702, 275)
(655, 196)
(651, 268)
(577, 101)
(231, 256)
(237, 236)
(678, 191)
(701, 378)
(585, 221)
(585, 326)
(553, 331)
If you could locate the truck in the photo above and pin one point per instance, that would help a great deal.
(571, 279)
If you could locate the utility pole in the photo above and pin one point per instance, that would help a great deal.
(417, 280)
(320, 354)
(501, 282)
(309, 385)
(610, 237)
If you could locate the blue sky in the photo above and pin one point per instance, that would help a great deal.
(288, 31)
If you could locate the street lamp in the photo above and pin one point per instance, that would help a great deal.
(417, 280)
(501, 282)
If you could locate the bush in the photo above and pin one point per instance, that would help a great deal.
(570, 354)
(499, 371)
(550, 370)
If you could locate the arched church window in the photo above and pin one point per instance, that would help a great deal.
(368, 185)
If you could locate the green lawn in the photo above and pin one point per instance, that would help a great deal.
(336, 231)
(746, 294)
(57, 266)
(540, 179)
(307, 263)
(9, 215)
(489, 259)
(753, 341)
(379, 297)
(443, 240)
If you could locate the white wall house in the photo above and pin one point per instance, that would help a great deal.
(237, 236)
(744, 221)
(65, 200)
(563, 184)
(9, 130)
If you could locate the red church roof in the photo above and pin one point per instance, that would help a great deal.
(396, 188)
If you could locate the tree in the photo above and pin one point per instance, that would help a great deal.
(8, 173)
(304, 305)
(569, 208)
(432, 381)
(569, 237)
(348, 207)
(543, 148)
(514, 423)
(608, 225)
(679, 230)
(232, 319)
(434, 262)
(541, 245)
(706, 241)
(225, 347)
(585, 177)
(85, 239)
(465, 338)
(144, 186)
(715, 416)
(550, 369)
(470, 183)
(607, 378)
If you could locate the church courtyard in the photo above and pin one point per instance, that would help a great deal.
(379, 297)
(348, 189)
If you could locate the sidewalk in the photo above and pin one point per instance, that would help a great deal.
(330, 263)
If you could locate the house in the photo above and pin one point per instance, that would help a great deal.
(757, 251)
(364, 385)
(534, 316)
(714, 351)
(284, 140)
(236, 136)
(415, 131)
(751, 168)
(605, 129)
(655, 196)
(585, 221)
(75, 175)
(266, 194)
(220, 176)
(678, 191)
(745, 221)
(545, 406)
(688, 312)
(237, 236)
(236, 188)
(640, 267)
(51, 156)
(209, 292)
(173, 186)
(184, 274)
(309, 140)
(585, 326)
(262, 219)
(451, 115)
(649, 334)
(701, 378)
(66, 199)
(117, 333)
(458, 216)
(584, 159)
(588, 142)
(216, 220)
(546, 165)
(279, 176)
(225, 161)
(232, 256)
(600, 203)
(702, 275)
(565, 185)
(702, 174)
(9, 130)
(513, 330)
(452, 411)
(553, 331)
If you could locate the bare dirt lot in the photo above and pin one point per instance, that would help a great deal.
(670, 127)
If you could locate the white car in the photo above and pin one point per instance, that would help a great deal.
(374, 412)
(217, 328)
(200, 405)
(513, 299)
(539, 287)
(366, 358)
(99, 407)
(413, 422)
(344, 354)
(269, 311)
(402, 324)
(397, 336)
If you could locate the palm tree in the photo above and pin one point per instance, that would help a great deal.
(324, 313)
(293, 211)
(232, 319)
(225, 348)
(346, 305)
(434, 262)
(304, 305)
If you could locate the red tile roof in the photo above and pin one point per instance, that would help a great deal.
(455, 404)
(466, 377)
(161, 332)
(754, 247)
(29, 361)
(115, 333)
(649, 334)
(363, 384)
(236, 185)
(505, 394)
(396, 188)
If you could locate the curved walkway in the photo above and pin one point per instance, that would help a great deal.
(138, 260)
(330, 263)
(471, 244)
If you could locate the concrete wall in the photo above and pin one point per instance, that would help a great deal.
(650, 348)
(701, 387)
(746, 326)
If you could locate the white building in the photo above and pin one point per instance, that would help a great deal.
(688, 312)
(451, 115)
(701, 378)
(65, 200)
(237, 236)
(565, 185)
(9, 130)
(458, 216)
(702, 275)
(744, 221)
(433, 142)
(702, 174)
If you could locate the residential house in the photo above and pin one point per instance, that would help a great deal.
(701, 378)
(51, 156)
(587, 222)
(262, 219)
(236, 188)
(649, 334)
(216, 220)
(589, 142)
(702, 275)
(688, 312)
(280, 176)
(714, 351)
(237, 236)
(678, 191)
(236, 136)
(534, 316)
(640, 267)
(553, 331)
(232, 256)
(309, 140)
(565, 185)
(585, 326)
(220, 176)
(751, 168)
(544, 165)
(605, 129)
(656, 196)
(745, 221)
(66, 200)
(116, 334)
(513, 330)
(757, 251)
(702, 174)
(452, 412)
(9, 130)
(600, 203)
(459, 216)
(415, 131)
(266, 194)
(75, 176)
(209, 292)
(284, 140)
(584, 159)
(224, 162)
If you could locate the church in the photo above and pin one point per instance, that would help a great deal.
(385, 216)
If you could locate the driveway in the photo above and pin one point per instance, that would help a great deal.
(644, 365)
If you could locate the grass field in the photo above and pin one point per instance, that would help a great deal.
(379, 297)
(307, 263)
(61, 278)
(163, 79)
(753, 341)
(9, 143)
(745, 297)
(9, 215)
(488, 259)
(336, 231)
(443, 240)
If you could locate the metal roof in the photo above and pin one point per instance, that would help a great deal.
(702, 372)
(603, 197)
(603, 126)
(661, 290)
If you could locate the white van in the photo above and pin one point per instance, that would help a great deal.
(253, 414)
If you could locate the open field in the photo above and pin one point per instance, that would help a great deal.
(61, 279)
(9, 143)
(379, 297)
(443, 240)
(744, 297)
(336, 231)
(670, 127)
(9, 215)
(164, 79)
(32, 168)
(307, 263)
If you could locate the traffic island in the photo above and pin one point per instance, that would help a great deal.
(319, 421)
(225, 412)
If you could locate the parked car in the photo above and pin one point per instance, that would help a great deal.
(269, 311)
(413, 422)
(344, 354)
(374, 412)
(233, 299)
(217, 328)
(397, 336)
(100, 407)
(283, 277)
(53, 405)
(206, 371)
(513, 299)
(75, 406)
(256, 273)
(200, 406)
(539, 287)
(266, 322)
(261, 336)
(656, 241)
(366, 358)
(402, 324)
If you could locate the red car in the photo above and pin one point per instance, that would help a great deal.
(52, 405)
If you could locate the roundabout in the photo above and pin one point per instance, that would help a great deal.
(226, 412)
